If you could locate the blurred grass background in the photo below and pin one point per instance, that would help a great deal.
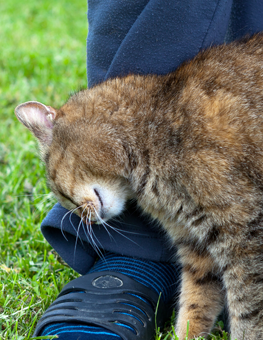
(43, 58)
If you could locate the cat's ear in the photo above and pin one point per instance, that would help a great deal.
(38, 118)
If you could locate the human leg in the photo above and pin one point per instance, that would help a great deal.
(246, 18)
(151, 37)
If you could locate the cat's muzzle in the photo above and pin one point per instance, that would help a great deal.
(87, 213)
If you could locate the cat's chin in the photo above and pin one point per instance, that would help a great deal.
(95, 217)
(95, 204)
(97, 201)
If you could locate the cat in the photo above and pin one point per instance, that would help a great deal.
(189, 147)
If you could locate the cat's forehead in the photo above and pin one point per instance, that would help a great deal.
(79, 151)
(99, 101)
(67, 165)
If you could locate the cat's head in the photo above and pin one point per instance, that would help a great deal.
(85, 162)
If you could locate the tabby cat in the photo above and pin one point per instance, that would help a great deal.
(189, 147)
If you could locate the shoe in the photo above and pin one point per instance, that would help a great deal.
(110, 300)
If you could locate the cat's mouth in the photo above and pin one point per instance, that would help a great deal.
(89, 214)
(91, 210)
(99, 197)
(92, 213)
(96, 204)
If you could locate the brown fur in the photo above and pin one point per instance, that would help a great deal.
(189, 147)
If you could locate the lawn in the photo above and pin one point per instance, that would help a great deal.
(43, 58)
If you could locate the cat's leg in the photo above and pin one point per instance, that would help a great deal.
(201, 298)
(243, 280)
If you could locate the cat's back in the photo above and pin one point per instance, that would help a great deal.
(209, 122)
(234, 67)
(219, 95)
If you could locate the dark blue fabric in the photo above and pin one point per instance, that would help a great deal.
(150, 36)
(246, 18)
(134, 235)
(162, 277)
(156, 36)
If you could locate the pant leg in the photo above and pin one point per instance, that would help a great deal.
(130, 234)
(153, 36)
(246, 18)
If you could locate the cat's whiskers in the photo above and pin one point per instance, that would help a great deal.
(102, 222)
(61, 223)
(77, 235)
(89, 207)
(105, 225)
(118, 219)
(83, 223)
(95, 237)
(87, 228)
(86, 223)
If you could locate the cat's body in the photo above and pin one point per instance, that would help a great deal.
(189, 147)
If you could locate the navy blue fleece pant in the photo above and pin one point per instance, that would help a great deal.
(156, 36)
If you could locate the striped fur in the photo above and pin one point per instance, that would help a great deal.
(189, 147)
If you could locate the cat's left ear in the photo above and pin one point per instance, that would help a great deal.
(38, 118)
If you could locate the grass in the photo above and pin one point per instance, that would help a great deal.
(43, 58)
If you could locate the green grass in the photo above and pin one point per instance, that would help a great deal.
(43, 58)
